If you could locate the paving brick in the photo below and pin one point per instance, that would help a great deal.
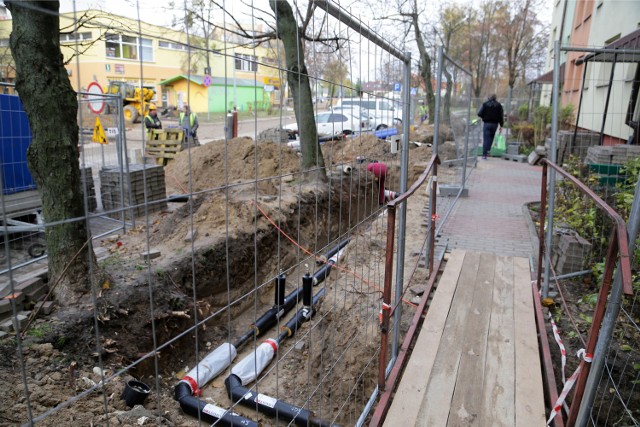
(152, 254)
(44, 307)
(29, 285)
(8, 325)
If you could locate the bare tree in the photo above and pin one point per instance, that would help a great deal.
(335, 73)
(51, 106)
(452, 22)
(482, 50)
(408, 14)
(293, 36)
(517, 24)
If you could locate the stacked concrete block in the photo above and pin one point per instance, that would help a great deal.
(567, 146)
(612, 154)
(601, 155)
(134, 190)
(513, 148)
(622, 153)
(571, 255)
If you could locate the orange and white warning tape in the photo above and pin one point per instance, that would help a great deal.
(563, 351)
(568, 385)
(385, 306)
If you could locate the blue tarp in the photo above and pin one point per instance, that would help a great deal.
(15, 137)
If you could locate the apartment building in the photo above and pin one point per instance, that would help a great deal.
(102, 47)
(603, 87)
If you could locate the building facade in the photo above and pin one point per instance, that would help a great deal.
(586, 84)
(102, 47)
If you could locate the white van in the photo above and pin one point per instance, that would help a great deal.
(384, 111)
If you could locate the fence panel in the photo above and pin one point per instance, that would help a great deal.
(231, 272)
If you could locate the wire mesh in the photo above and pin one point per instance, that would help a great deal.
(579, 250)
(194, 236)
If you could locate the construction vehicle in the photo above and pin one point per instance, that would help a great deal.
(136, 99)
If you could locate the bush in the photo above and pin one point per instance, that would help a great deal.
(525, 132)
(523, 112)
(566, 116)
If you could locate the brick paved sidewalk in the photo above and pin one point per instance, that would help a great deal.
(491, 218)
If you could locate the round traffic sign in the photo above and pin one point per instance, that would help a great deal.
(95, 97)
(207, 80)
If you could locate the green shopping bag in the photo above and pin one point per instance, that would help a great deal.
(499, 145)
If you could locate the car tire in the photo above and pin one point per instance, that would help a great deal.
(383, 126)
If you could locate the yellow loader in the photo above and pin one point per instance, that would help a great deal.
(136, 100)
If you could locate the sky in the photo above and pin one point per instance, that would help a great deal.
(157, 11)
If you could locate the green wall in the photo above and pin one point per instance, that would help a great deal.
(247, 96)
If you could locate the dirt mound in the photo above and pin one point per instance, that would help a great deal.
(349, 150)
(213, 164)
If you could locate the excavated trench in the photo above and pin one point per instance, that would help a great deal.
(253, 259)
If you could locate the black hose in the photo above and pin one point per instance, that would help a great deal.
(208, 412)
(271, 406)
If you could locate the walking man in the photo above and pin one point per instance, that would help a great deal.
(492, 116)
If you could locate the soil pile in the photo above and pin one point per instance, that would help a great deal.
(241, 159)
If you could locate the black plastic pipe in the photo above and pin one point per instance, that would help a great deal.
(270, 405)
(301, 316)
(207, 412)
(331, 252)
(322, 273)
(307, 290)
(280, 285)
(269, 318)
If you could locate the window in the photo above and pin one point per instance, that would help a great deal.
(172, 45)
(323, 118)
(334, 118)
(72, 37)
(128, 47)
(246, 62)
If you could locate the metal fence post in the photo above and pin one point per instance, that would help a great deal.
(552, 174)
(436, 131)
(402, 224)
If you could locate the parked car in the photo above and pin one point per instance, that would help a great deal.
(356, 110)
(333, 123)
(384, 111)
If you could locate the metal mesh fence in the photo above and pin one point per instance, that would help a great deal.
(590, 308)
(232, 282)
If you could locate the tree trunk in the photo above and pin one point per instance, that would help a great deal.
(300, 88)
(52, 157)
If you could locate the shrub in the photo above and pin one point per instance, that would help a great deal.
(523, 112)
(566, 116)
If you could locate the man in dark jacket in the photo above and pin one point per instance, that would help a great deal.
(492, 116)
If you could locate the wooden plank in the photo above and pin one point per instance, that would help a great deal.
(529, 403)
(499, 387)
(466, 405)
(436, 403)
(409, 396)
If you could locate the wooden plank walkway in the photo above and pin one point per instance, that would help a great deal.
(476, 360)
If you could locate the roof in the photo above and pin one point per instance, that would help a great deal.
(547, 78)
(216, 81)
(630, 44)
